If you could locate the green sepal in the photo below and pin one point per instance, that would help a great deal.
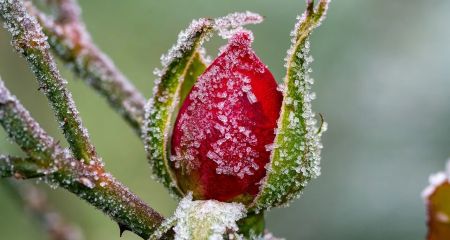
(252, 225)
(181, 66)
(295, 155)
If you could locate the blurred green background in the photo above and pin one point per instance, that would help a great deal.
(382, 71)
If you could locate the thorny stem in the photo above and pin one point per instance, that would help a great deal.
(71, 42)
(29, 40)
(35, 203)
(88, 181)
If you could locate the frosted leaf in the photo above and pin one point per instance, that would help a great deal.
(186, 41)
(296, 158)
(180, 63)
(209, 219)
(228, 25)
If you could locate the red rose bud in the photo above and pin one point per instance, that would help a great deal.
(221, 138)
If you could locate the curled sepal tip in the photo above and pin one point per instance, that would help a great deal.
(295, 155)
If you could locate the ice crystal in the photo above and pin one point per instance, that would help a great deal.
(210, 219)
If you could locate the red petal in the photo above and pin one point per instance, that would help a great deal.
(221, 132)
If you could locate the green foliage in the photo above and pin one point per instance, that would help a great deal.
(296, 150)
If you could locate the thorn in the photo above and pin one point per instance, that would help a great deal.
(18, 176)
(309, 7)
(122, 229)
(321, 123)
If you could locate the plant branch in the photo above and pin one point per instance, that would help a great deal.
(35, 202)
(88, 181)
(21, 168)
(72, 43)
(23, 129)
(29, 40)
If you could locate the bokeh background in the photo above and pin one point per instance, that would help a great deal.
(382, 71)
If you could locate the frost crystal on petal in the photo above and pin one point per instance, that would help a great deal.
(208, 219)
(224, 124)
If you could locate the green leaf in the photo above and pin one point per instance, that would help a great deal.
(295, 155)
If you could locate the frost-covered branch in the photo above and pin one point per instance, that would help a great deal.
(29, 40)
(58, 168)
(295, 156)
(35, 203)
(23, 129)
(72, 43)
(19, 167)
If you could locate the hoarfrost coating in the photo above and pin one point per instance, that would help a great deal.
(208, 219)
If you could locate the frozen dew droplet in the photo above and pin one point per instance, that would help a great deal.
(86, 182)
